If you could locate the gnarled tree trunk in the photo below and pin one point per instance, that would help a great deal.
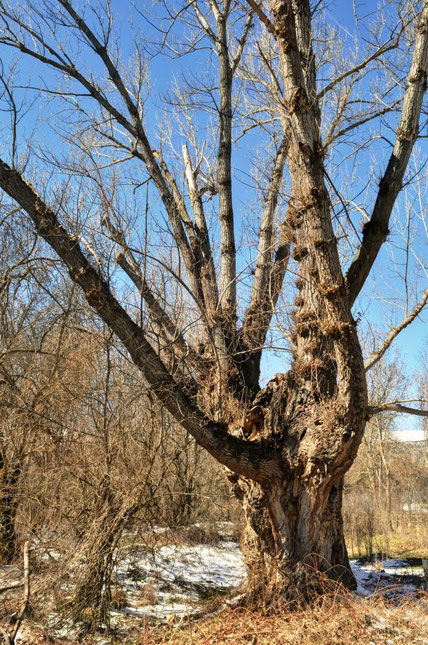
(293, 540)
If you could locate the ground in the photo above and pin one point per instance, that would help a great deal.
(180, 592)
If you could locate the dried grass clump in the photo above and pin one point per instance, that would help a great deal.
(334, 620)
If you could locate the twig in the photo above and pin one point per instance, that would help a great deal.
(15, 585)
(10, 638)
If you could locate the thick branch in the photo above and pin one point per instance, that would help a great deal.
(240, 456)
(228, 247)
(259, 313)
(262, 16)
(395, 407)
(208, 275)
(321, 282)
(265, 251)
(376, 356)
(376, 231)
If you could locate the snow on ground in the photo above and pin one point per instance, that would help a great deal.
(394, 578)
(164, 582)
(173, 580)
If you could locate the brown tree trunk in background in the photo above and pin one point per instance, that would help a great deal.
(9, 477)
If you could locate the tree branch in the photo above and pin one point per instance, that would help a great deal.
(376, 231)
(254, 461)
(241, 43)
(376, 356)
(259, 312)
(353, 70)
(208, 274)
(262, 16)
(395, 407)
(224, 155)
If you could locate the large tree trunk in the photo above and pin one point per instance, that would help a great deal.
(293, 541)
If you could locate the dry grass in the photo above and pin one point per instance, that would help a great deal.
(334, 621)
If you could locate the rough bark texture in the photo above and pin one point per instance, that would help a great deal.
(294, 524)
(293, 542)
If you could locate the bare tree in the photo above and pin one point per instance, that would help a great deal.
(32, 333)
(288, 445)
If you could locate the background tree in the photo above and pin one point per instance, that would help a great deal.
(279, 79)
(384, 489)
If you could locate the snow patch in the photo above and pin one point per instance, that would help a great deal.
(173, 580)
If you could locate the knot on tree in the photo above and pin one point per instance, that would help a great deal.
(323, 244)
(299, 252)
(294, 216)
(312, 369)
(297, 101)
(331, 291)
(44, 222)
(77, 273)
(336, 330)
(94, 296)
(315, 198)
(305, 322)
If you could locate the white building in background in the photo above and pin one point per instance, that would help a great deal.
(410, 434)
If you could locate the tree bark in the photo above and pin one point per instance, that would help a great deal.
(293, 542)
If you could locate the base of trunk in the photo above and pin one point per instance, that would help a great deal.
(293, 546)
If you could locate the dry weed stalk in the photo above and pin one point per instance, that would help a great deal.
(17, 618)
